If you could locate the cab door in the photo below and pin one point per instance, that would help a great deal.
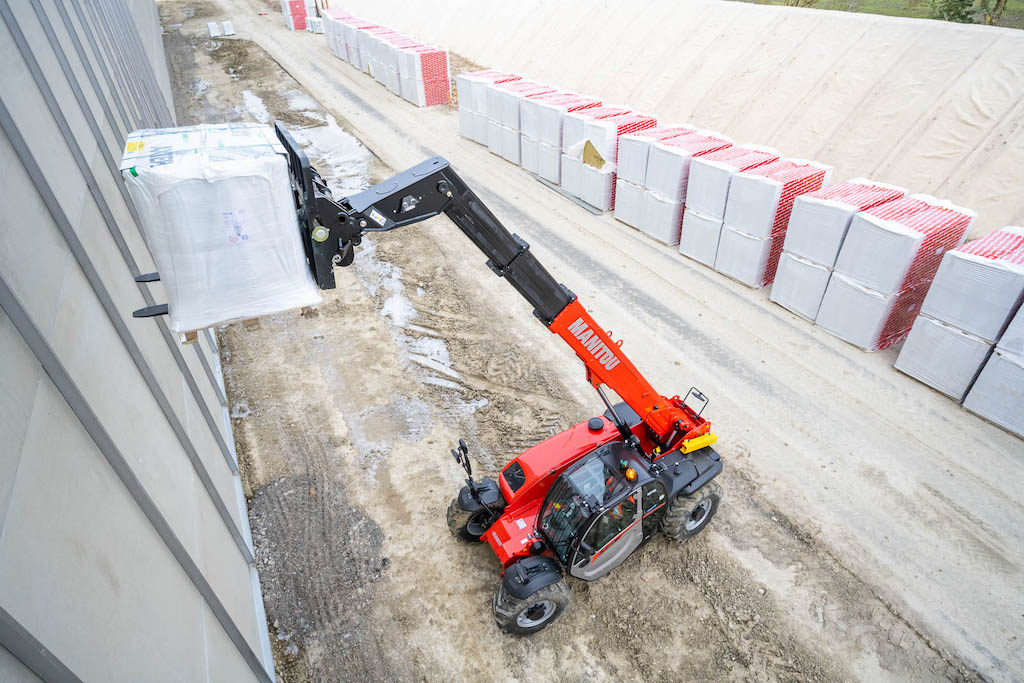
(611, 538)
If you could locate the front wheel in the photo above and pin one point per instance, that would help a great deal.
(533, 613)
(465, 525)
(687, 515)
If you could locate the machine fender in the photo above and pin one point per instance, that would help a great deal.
(685, 473)
(530, 574)
(489, 493)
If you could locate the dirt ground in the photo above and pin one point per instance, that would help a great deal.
(344, 418)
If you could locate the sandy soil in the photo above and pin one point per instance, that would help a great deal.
(345, 418)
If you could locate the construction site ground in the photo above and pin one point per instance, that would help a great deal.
(872, 530)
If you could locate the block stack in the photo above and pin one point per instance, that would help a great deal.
(975, 294)
(706, 195)
(817, 228)
(471, 91)
(756, 216)
(998, 393)
(573, 126)
(884, 268)
(314, 24)
(668, 173)
(296, 11)
(503, 119)
(541, 130)
(425, 75)
(598, 177)
(352, 29)
(631, 170)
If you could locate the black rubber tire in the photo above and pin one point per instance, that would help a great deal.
(684, 508)
(508, 608)
(458, 521)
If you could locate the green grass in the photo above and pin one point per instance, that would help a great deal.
(1013, 15)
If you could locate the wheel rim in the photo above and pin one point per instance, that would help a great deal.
(476, 525)
(536, 614)
(699, 514)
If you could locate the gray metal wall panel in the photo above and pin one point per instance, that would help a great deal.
(97, 68)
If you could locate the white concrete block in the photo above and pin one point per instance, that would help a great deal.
(942, 356)
(662, 218)
(668, 169)
(976, 294)
(700, 236)
(817, 228)
(853, 312)
(629, 202)
(1012, 339)
(800, 285)
(877, 252)
(752, 203)
(530, 154)
(597, 186)
(742, 257)
(572, 175)
(998, 393)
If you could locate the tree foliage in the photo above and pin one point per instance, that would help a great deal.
(961, 11)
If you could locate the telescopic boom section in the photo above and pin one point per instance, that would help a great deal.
(332, 228)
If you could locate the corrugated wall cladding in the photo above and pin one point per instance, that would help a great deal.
(934, 106)
(125, 551)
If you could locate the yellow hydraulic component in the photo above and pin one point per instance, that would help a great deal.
(691, 445)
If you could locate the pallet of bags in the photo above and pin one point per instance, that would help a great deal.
(598, 178)
(631, 169)
(471, 93)
(885, 266)
(998, 393)
(294, 12)
(351, 29)
(573, 125)
(707, 190)
(975, 293)
(540, 134)
(666, 181)
(756, 216)
(503, 115)
(425, 75)
(817, 228)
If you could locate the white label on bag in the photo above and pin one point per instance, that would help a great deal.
(235, 226)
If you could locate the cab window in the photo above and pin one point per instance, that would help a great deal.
(597, 479)
(613, 522)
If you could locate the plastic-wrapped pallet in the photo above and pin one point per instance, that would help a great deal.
(574, 123)
(635, 147)
(352, 28)
(503, 100)
(885, 266)
(603, 134)
(711, 175)
(818, 224)
(425, 76)
(979, 286)
(629, 202)
(943, 356)
(294, 12)
(800, 284)
(756, 215)
(707, 189)
(668, 162)
(817, 227)
(998, 393)
(471, 91)
(541, 116)
(216, 207)
(314, 24)
(541, 130)
(668, 170)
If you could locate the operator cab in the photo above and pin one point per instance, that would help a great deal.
(593, 517)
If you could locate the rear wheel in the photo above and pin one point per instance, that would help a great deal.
(687, 515)
(465, 525)
(533, 613)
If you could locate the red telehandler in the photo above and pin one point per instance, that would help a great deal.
(581, 502)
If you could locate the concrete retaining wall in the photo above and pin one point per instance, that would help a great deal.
(125, 551)
(934, 106)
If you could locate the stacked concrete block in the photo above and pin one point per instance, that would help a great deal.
(998, 393)
(975, 293)
(885, 266)
(817, 228)
(573, 125)
(668, 172)
(757, 213)
(503, 105)
(707, 191)
(541, 130)
(295, 13)
(425, 75)
(598, 181)
(631, 170)
(334, 32)
(471, 91)
(351, 28)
